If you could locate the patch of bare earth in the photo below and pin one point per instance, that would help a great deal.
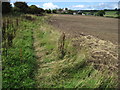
(101, 27)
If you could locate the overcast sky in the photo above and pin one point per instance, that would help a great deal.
(73, 4)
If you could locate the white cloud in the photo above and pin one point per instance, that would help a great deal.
(106, 6)
(49, 6)
(38, 5)
(79, 6)
(12, 4)
(99, 6)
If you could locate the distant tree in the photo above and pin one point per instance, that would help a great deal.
(33, 9)
(60, 9)
(40, 11)
(100, 13)
(21, 6)
(70, 11)
(48, 11)
(6, 7)
(116, 9)
(105, 9)
(91, 13)
(66, 9)
(80, 13)
(54, 11)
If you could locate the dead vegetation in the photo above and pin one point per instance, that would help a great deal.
(103, 54)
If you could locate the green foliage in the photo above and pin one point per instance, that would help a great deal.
(100, 13)
(48, 11)
(19, 64)
(6, 7)
(54, 11)
(16, 9)
(22, 6)
(91, 13)
(118, 12)
(70, 11)
(35, 10)
(113, 14)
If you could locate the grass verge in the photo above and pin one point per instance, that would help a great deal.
(19, 65)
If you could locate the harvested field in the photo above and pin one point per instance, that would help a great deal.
(100, 27)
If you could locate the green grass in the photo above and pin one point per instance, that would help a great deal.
(108, 14)
(111, 14)
(20, 63)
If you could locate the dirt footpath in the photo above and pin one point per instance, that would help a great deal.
(100, 27)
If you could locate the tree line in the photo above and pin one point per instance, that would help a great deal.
(21, 7)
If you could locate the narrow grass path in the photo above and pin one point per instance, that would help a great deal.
(18, 65)
(45, 43)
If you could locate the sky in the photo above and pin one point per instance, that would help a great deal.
(73, 4)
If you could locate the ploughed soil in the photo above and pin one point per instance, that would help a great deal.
(75, 25)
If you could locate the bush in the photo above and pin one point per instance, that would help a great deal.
(100, 13)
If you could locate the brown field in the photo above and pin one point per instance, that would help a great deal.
(101, 27)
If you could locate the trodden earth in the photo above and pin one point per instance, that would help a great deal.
(100, 27)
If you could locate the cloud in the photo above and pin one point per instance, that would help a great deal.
(38, 5)
(79, 6)
(49, 6)
(12, 4)
(99, 6)
(82, 7)
(106, 6)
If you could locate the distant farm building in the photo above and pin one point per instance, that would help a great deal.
(74, 13)
(83, 14)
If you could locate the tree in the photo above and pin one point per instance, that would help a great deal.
(16, 9)
(48, 11)
(116, 9)
(60, 9)
(91, 13)
(33, 9)
(70, 11)
(66, 9)
(54, 11)
(100, 13)
(6, 7)
(22, 6)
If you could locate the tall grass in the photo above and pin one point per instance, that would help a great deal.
(19, 64)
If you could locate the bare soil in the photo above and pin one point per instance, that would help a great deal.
(75, 25)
